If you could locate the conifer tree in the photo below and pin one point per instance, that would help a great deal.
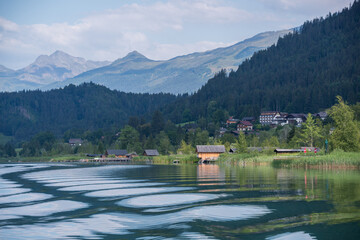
(346, 135)
(241, 145)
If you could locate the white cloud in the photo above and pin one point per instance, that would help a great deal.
(6, 25)
(307, 7)
(113, 33)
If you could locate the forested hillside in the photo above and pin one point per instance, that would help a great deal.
(88, 107)
(303, 72)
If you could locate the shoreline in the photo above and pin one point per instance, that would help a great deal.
(335, 160)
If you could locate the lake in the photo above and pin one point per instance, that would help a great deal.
(71, 201)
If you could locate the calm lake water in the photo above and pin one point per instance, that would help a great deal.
(70, 201)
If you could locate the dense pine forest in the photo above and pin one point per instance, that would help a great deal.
(302, 73)
(88, 107)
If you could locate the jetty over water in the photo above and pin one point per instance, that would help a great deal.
(104, 160)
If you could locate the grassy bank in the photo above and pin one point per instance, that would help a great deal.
(336, 159)
(180, 159)
(59, 158)
(253, 158)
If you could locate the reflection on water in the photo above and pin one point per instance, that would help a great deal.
(43, 201)
(295, 235)
(41, 209)
(133, 191)
(24, 197)
(166, 199)
(209, 174)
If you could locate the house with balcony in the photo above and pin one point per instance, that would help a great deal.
(244, 126)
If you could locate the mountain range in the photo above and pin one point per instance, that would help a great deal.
(45, 70)
(134, 72)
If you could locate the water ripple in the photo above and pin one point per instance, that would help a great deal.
(134, 191)
(162, 200)
(41, 209)
(121, 224)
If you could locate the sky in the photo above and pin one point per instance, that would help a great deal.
(160, 29)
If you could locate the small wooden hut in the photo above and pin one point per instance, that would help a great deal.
(209, 152)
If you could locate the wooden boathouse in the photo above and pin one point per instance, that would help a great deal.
(209, 152)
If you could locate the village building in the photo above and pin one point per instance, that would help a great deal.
(75, 142)
(280, 119)
(231, 120)
(209, 152)
(321, 115)
(249, 119)
(296, 118)
(244, 126)
(132, 154)
(222, 131)
(151, 152)
(119, 153)
(266, 118)
(232, 150)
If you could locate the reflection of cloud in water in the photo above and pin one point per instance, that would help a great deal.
(41, 209)
(10, 191)
(121, 224)
(25, 197)
(134, 191)
(8, 184)
(9, 168)
(291, 236)
(162, 200)
(69, 183)
(107, 186)
(74, 173)
(194, 235)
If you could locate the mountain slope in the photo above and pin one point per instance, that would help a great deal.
(85, 107)
(183, 74)
(303, 73)
(45, 70)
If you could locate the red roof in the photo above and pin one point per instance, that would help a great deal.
(246, 123)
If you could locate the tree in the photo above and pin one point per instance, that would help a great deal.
(9, 150)
(346, 135)
(129, 139)
(311, 131)
(185, 148)
(101, 148)
(201, 137)
(157, 122)
(164, 143)
(241, 145)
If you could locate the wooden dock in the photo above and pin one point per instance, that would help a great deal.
(105, 160)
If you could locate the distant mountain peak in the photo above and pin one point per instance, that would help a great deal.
(131, 56)
(58, 53)
(134, 55)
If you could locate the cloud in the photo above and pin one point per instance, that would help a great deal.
(159, 30)
(306, 7)
(113, 33)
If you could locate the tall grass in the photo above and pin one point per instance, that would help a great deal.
(246, 158)
(182, 159)
(336, 159)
